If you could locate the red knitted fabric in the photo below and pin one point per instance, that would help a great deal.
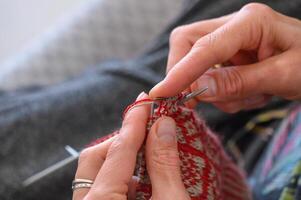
(207, 172)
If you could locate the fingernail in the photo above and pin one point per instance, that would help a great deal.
(141, 95)
(166, 130)
(254, 100)
(154, 89)
(158, 89)
(207, 81)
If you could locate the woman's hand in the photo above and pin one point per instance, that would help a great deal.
(261, 47)
(111, 164)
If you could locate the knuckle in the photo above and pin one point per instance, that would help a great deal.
(178, 33)
(259, 18)
(131, 120)
(120, 144)
(258, 10)
(116, 146)
(166, 158)
(127, 120)
(233, 82)
(211, 41)
(85, 155)
(230, 82)
(210, 44)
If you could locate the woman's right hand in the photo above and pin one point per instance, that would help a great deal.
(262, 46)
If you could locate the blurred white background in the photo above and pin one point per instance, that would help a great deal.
(22, 21)
(44, 42)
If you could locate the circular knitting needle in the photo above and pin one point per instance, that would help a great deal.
(193, 94)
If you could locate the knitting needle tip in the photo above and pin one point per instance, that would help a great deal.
(194, 94)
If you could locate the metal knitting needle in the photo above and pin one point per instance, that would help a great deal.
(49, 170)
(152, 110)
(186, 98)
(193, 94)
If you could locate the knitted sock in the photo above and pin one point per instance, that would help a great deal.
(207, 172)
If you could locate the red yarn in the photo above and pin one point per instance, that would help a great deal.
(135, 104)
(207, 172)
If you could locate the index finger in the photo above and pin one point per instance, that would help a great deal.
(183, 37)
(118, 168)
(216, 47)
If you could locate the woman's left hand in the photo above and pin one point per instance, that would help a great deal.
(110, 165)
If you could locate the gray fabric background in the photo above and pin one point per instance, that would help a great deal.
(36, 123)
(100, 30)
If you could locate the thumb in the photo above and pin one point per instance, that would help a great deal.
(163, 163)
(231, 83)
(273, 76)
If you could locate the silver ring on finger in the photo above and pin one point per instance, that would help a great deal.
(81, 183)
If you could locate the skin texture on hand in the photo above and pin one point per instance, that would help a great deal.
(259, 47)
(111, 164)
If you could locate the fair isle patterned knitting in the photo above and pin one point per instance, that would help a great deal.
(207, 172)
